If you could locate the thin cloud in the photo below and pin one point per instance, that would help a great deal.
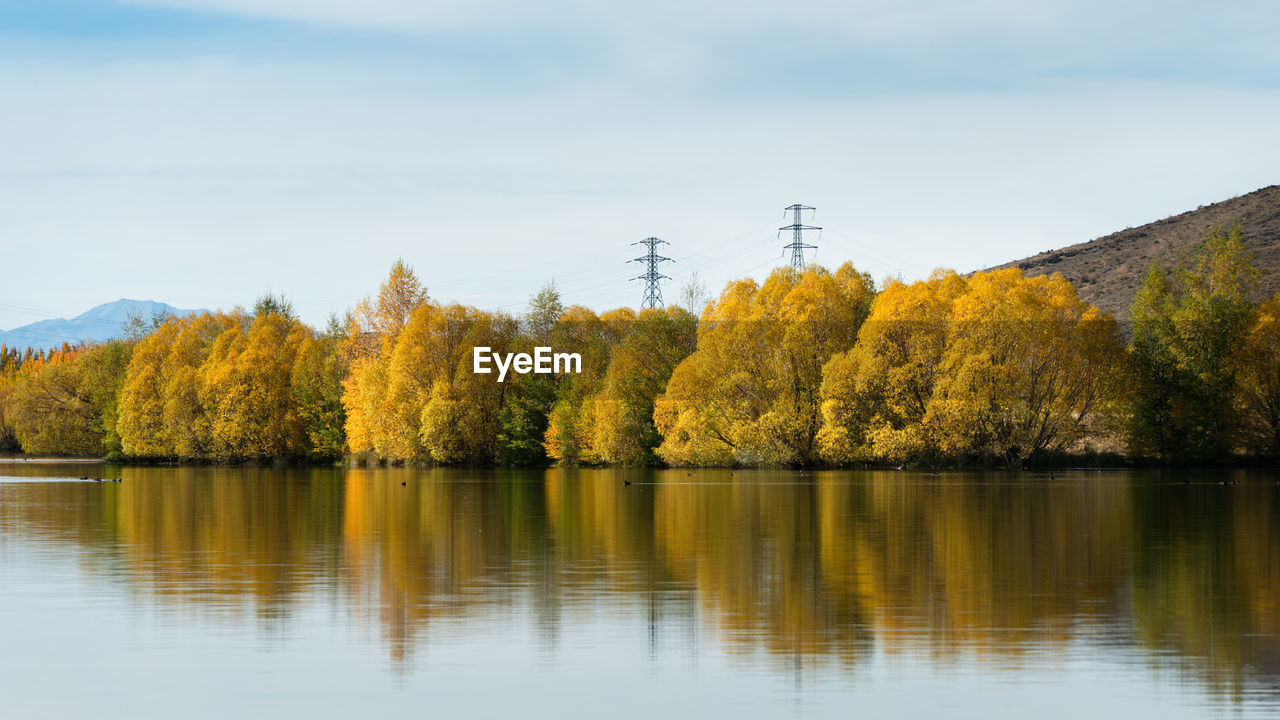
(811, 48)
(526, 140)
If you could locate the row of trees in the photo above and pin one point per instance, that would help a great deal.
(993, 365)
(998, 365)
(217, 386)
(411, 393)
(749, 393)
(62, 401)
(233, 386)
(809, 367)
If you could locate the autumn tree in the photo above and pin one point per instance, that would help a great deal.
(162, 413)
(875, 396)
(1028, 366)
(419, 399)
(246, 388)
(8, 433)
(10, 361)
(996, 365)
(372, 329)
(1258, 389)
(50, 408)
(749, 393)
(225, 386)
(398, 296)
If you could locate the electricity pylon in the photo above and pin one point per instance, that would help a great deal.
(651, 277)
(797, 246)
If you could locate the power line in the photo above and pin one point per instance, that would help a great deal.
(652, 278)
(866, 248)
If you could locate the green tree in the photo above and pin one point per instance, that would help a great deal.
(270, 304)
(1189, 323)
(529, 399)
(622, 428)
(569, 437)
(106, 368)
(316, 380)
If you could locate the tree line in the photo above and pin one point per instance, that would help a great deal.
(809, 367)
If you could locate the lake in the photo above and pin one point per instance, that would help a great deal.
(242, 592)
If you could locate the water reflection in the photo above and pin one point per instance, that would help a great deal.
(825, 572)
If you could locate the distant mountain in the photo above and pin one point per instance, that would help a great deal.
(1106, 272)
(101, 323)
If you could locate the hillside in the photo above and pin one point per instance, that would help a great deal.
(100, 323)
(1106, 271)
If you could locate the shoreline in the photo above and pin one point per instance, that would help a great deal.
(1237, 463)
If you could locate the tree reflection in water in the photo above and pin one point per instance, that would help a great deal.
(817, 570)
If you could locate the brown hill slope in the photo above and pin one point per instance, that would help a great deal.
(1106, 272)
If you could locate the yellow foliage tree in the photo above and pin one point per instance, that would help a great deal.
(51, 408)
(247, 390)
(444, 425)
(419, 399)
(749, 393)
(1027, 367)
(875, 396)
(1258, 379)
(379, 320)
(998, 365)
(161, 414)
(372, 330)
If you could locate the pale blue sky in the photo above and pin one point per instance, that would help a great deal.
(202, 152)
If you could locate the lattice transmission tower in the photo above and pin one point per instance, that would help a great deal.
(797, 228)
(651, 277)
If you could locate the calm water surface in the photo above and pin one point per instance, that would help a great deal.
(217, 593)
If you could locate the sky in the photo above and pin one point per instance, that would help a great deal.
(205, 152)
